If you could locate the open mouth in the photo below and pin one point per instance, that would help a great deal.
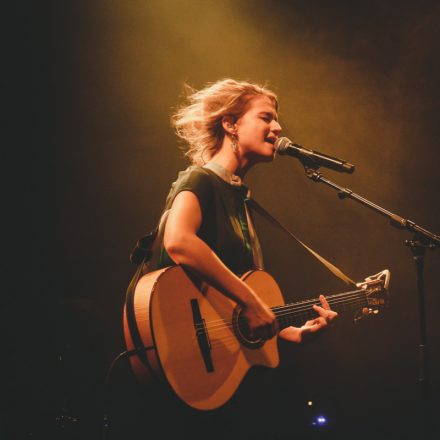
(270, 140)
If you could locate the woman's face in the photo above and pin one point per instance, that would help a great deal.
(258, 129)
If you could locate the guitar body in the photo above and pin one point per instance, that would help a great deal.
(193, 336)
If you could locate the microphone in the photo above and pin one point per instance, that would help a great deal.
(285, 146)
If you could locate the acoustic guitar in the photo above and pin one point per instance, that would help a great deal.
(191, 335)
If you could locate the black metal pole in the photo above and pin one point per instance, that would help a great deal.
(418, 249)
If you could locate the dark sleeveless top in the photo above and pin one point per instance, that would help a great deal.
(224, 226)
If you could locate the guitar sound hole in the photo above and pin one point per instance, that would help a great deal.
(243, 331)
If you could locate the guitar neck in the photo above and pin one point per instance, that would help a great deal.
(298, 313)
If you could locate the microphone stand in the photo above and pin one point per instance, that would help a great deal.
(422, 240)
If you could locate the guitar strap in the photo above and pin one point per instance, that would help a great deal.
(141, 255)
(131, 318)
(251, 203)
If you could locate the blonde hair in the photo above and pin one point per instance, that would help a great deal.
(199, 121)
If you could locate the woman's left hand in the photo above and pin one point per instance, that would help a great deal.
(326, 315)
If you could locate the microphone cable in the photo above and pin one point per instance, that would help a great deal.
(122, 355)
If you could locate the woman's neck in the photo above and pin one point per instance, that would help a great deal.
(233, 163)
(223, 173)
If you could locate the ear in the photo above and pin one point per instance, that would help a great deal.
(228, 124)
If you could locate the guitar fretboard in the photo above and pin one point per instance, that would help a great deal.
(298, 313)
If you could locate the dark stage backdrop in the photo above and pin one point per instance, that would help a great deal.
(358, 80)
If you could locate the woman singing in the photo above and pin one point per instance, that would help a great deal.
(227, 127)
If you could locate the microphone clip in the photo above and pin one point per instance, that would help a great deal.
(311, 168)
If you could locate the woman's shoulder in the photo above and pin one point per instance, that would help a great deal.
(195, 179)
(193, 170)
(193, 175)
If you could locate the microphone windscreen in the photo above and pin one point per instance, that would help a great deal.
(281, 144)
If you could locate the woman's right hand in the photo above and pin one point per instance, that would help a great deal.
(261, 320)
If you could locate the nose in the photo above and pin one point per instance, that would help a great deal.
(276, 127)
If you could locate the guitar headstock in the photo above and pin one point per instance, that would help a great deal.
(377, 292)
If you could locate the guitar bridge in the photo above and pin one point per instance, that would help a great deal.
(202, 336)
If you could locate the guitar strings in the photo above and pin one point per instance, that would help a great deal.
(214, 330)
(228, 325)
(288, 309)
(286, 312)
(228, 340)
(307, 303)
(228, 337)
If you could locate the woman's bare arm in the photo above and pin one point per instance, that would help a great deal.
(186, 248)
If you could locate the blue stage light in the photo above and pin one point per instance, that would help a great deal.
(319, 421)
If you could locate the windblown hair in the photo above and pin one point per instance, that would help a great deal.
(199, 121)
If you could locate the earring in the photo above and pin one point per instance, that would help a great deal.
(234, 143)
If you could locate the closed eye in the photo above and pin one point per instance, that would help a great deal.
(268, 117)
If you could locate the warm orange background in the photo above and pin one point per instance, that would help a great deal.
(357, 80)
